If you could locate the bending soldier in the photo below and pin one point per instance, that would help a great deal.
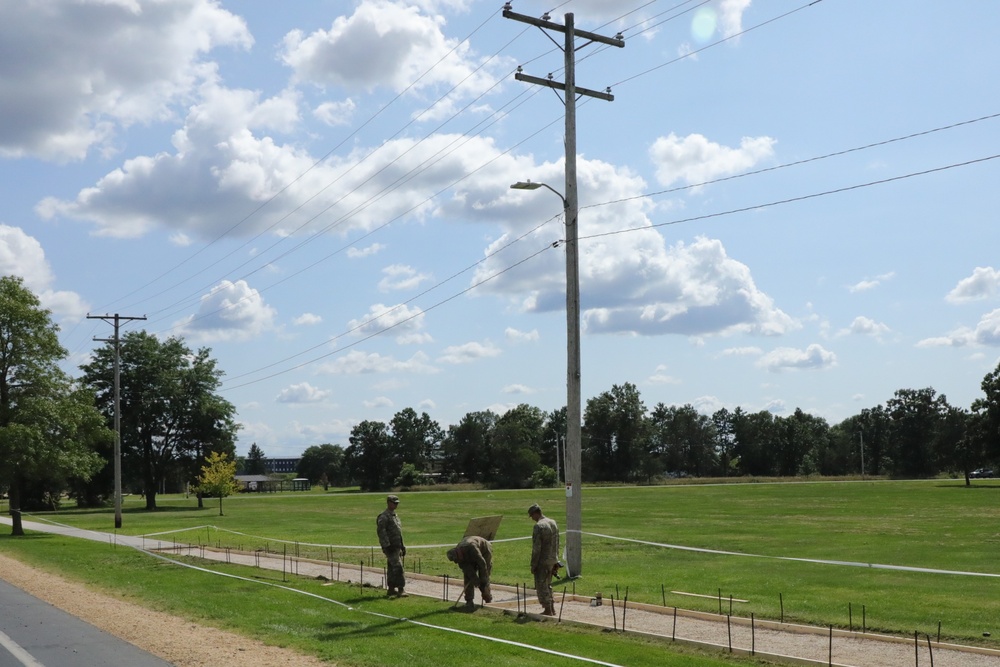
(474, 555)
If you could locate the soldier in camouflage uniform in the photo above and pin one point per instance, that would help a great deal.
(474, 555)
(544, 557)
(390, 537)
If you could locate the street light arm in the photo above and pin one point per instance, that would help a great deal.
(529, 185)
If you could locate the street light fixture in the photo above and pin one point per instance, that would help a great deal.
(529, 185)
(574, 418)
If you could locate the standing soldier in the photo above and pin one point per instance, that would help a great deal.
(390, 537)
(474, 555)
(544, 557)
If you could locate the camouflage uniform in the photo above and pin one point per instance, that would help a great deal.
(474, 555)
(544, 556)
(390, 537)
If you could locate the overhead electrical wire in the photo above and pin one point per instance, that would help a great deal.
(586, 237)
(790, 200)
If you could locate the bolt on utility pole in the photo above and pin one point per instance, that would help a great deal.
(574, 418)
(115, 320)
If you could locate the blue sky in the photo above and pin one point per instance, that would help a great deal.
(787, 205)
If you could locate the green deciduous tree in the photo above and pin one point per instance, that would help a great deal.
(616, 435)
(467, 446)
(367, 456)
(170, 414)
(321, 462)
(516, 444)
(218, 477)
(916, 416)
(48, 429)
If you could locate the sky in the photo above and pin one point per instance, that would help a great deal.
(787, 205)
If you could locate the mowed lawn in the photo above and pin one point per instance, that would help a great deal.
(630, 532)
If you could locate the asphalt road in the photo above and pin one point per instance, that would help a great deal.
(33, 633)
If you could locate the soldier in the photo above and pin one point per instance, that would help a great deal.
(474, 555)
(390, 537)
(544, 557)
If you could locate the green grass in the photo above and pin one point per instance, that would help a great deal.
(939, 524)
(364, 629)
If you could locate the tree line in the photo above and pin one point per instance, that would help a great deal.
(916, 433)
(56, 431)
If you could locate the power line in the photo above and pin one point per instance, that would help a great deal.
(755, 172)
(791, 200)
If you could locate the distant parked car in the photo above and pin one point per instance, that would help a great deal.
(981, 473)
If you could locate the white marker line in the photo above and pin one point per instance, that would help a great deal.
(15, 650)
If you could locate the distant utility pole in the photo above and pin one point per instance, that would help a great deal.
(115, 320)
(574, 477)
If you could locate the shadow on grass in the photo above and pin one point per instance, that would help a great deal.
(976, 484)
(383, 627)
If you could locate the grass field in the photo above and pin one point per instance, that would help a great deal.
(937, 524)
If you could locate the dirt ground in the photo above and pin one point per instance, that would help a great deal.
(178, 641)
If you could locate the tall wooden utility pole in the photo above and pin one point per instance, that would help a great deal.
(574, 418)
(115, 320)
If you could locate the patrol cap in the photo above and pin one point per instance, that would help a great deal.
(392, 499)
(452, 554)
(534, 508)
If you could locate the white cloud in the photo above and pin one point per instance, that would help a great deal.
(871, 283)
(400, 277)
(692, 289)
(517, 389)
(707, 405)
(748, 351)
(986, 333)
(368, 251)
(356, 362)
(694, 159)
(384, 44)
(307, 319)
(660, 376)
(378, 402)
(812, 358)
(731, 16)
(982, 284)
(469, 352)
(335, 113)
(116, 64)
(230, 312)
(776, 406)
(866, 326)
(22, 255)
(517, 336)
(402, 320)
(218, 166)
(303, 393)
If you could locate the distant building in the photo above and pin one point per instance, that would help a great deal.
(280, 466)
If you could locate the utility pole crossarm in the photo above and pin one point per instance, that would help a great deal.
(527, 78)
(549, 25)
